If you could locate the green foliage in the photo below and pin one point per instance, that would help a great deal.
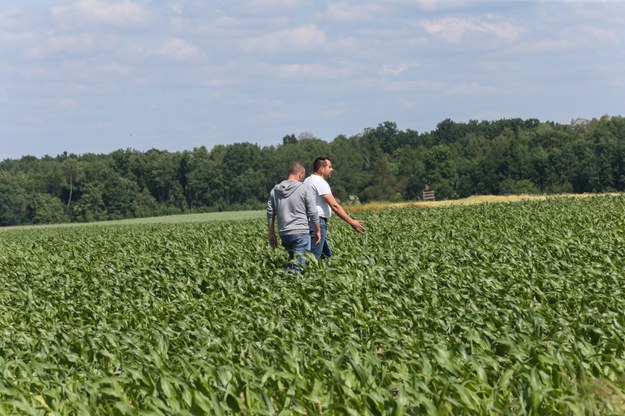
(456, 160)
(485, 309)
(45, 209)
(13, 198)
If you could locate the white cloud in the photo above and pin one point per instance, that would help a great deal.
(429, 4)
(8, 19)
(299, 70)
(540, 46)
(54, 104)
(335, 110)
(470, 89)
(182, 50)
(218, 82)
(406, 103)
(411, 86)
(82, 44)
(301, 38)
(457, 30)
(115, 13)
(607, 12)
(574, 38)
(594, 34)
(354, 12)
(313, 71)
(394, 70)
(498, 65)
(269, 7)
(355, 61)
(17, 40)
(438, 5)
(219, 27)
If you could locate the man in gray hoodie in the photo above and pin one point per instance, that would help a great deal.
(293, 203)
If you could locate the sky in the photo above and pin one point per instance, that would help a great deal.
(95, 76)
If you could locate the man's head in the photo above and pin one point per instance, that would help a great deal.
(296, 172)
(323, 167)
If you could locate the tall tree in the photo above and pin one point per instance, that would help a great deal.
(73, 173)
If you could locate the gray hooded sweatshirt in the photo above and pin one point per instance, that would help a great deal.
(294, 204)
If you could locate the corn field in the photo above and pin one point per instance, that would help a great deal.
(491, 309)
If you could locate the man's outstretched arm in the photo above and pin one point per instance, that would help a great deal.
(338, 210)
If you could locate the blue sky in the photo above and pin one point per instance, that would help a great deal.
(94, 76)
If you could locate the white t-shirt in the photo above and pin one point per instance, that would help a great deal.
(320, 187)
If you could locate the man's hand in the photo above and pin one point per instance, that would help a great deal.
(338, 210)
(273, 241)
(317, 237)
(357, 226)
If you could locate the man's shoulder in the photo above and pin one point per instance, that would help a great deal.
(319, 184)
(315, 179)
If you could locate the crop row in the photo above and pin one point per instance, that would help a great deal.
(486, 309)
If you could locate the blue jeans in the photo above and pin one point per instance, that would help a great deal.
(295, 244)
(321, 250)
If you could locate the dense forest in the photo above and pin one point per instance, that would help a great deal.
(455, 160)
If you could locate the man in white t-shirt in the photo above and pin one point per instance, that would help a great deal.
(326, 205)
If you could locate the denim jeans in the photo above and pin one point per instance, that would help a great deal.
(295, 244)
(321, 250)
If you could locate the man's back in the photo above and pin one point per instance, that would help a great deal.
(293, 204)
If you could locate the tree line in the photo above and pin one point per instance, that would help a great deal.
(456, 160)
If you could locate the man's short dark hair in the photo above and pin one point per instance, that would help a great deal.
(319, 163)
(296, 168)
